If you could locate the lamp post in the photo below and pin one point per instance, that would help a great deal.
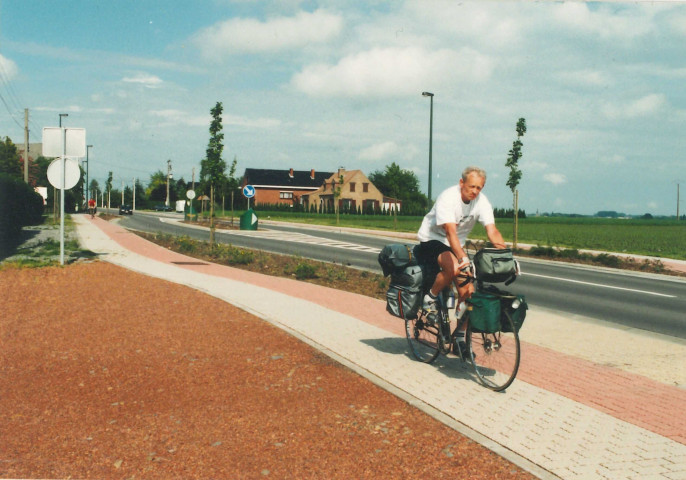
(62, 115)
(431, 130)
(88, 147)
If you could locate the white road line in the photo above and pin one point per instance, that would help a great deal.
(600, 285)
(303, 238)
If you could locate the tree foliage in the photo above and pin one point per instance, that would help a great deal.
(10, 161)
(212, 167)
(514, 155)
(402, 184)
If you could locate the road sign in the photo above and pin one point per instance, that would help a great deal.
(64, 177)
(70, 142)
(248, 191)
(190, 194)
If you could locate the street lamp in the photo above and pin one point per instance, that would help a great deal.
(88, 147)
(62, 115)
(431, 129)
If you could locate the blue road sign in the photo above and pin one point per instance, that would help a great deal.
(248, 191)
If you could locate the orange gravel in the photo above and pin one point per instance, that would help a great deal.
(106, 373)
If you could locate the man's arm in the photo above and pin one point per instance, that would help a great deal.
(494, 236)
(454, 241)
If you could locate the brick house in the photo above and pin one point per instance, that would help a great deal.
(283, 186)
(356, 191)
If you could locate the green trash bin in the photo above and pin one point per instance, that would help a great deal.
(249, 220)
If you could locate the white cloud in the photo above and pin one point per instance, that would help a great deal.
(555, 178)
(642, 107)
(379, 151)
(586, 78)
(388, 72)
(147, 80)
(178, 117)
(603, 21)
(247, 35)
(9, 68)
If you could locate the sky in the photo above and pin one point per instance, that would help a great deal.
(322, 85)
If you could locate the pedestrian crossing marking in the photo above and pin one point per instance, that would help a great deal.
(301, 238)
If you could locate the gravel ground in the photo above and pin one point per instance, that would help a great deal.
(106, 373)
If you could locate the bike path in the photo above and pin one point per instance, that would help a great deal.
(567, 415)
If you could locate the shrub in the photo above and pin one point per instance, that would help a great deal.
(305, 270)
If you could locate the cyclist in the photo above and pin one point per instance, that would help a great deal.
(444, 231)
(91, 207)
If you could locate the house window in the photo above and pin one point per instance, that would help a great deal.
(365, 187)
(352, 186)
(286, 195)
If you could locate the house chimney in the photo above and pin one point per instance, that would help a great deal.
(290, 174)
(341, 171)
(312, 174)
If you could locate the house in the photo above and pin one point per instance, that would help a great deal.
(283, 186)
(355, 191)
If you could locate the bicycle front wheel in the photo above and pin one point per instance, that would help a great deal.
(495, 356)
(422, 339)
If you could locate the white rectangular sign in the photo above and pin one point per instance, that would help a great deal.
(53, 139)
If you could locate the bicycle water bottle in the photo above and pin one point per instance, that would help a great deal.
(450, 301)
(460, 310)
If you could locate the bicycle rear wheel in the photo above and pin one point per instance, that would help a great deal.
(422, 339)
(495, 356)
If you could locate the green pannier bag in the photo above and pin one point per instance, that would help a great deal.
(517, 315)
(485, 314)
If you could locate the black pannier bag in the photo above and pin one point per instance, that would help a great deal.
(495, 265)
(404, 295)
(396, 256)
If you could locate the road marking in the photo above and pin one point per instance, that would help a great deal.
(600, 285)
(301, 238)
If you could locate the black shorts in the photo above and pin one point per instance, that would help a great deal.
(428, 252)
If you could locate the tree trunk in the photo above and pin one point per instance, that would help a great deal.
(515, 219)
(211, 214)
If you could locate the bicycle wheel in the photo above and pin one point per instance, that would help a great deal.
(422, 339)
(495, 356)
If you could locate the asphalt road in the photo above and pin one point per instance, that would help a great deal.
(656, 303)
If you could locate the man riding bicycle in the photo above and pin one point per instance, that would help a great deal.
(444, 231)
(91, 207)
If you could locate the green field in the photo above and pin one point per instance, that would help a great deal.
(659, 238)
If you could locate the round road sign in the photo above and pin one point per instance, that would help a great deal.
(71, 171)
(248, 191)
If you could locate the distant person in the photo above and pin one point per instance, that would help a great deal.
(91, 207)
(444, 232)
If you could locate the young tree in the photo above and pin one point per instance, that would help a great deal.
(108, 188)
(212, 167)
(515, 174)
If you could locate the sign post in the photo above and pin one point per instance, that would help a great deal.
(64, 172)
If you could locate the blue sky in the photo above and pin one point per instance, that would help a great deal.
(308, 84)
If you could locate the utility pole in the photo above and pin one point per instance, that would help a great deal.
(122, 192)
(26, 145)
(677, 202)
(134, 194)
(166, 202)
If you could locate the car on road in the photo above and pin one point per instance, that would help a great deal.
(125, 210)
(163, 208)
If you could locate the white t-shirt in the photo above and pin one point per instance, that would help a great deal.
(449, 208)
